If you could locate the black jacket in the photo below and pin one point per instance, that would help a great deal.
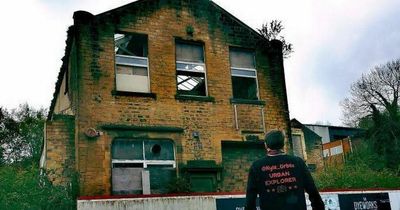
(280, 181)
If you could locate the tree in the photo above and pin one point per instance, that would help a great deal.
(23, 186)
(374, 93)
(374, 105)
(271, 31)
(21, 133)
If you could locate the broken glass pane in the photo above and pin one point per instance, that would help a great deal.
(191, 84)
(190, 67)
(131, 44)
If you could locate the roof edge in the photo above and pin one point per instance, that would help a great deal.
(63, 69)
(211, 2)
(239, 21)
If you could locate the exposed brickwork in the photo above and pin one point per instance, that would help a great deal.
(250, 117)
(60, 148)
(163, 22)
(314, 155)
(236, 165)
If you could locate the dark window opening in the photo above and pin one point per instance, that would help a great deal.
(127, 165)
(131, 44)
(156, 149)
(339, 137)
(244, 74)
(244, 88)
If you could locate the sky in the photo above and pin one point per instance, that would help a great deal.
(335, 42)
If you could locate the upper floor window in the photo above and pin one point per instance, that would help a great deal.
(244, 74)
(131, 62)
(190, 69)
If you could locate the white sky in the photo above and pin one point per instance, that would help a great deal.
(335, 41)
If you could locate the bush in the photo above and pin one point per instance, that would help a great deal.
(22, 187)
(362, 169)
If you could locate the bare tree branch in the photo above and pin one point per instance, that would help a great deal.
(376, 91)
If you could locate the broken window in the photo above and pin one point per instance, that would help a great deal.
(244, 74)
(132, 72)
(142, 166)
(190, 69)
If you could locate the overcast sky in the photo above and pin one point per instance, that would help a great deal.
(335, 41)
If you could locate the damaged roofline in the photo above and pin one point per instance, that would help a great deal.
(63, 69)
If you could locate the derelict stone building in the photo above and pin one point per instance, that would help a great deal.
(160, 89)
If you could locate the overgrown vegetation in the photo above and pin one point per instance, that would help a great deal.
(22, 184)
(363, 168)
(23, 187)
(21, 134)
(272, 30)
(374, 105)
(179, 185)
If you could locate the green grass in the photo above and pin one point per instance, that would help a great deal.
(363, 169)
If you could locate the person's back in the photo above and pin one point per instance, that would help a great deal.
(281, 180)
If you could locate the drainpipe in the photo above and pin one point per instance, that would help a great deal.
(236, 118)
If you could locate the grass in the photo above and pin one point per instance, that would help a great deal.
(363, 169)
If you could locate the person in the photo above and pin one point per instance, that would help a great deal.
(280, 180)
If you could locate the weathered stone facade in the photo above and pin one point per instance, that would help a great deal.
(196, 125)
(59, 145)
(311, 145)
(236, 163)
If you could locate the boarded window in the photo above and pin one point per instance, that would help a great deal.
(142, 166)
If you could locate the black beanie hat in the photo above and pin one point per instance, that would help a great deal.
(274, 140)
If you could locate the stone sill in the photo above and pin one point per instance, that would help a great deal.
(246, 101)
(195, 98)
(137, 94)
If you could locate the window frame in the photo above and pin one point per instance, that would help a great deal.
(145, 162)
(147, 66)
(232, 68)
(202, 44)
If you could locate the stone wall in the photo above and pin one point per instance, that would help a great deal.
(237, 158)
(60, 154)
(98, 102)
